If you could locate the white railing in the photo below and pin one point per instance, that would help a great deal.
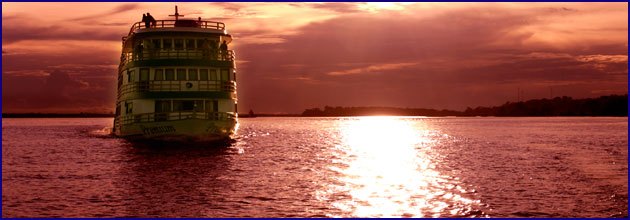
(159, 54)
(177, 23)
(176, 86)
(173, 116)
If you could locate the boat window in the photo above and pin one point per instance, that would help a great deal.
(179, 44)
(170, 74)
(192, 74)
(209, 106)
(167, 44)
(158, 75)
(188, 105)
(199, 105)
(157, 43)
(144, 74)
(190, 44)
(199, 43)
(177, 105)
(130, 76)
(225, 75)
(213, 74)
(203, 74)
(181, 74)
(128, 107)
(163, 106)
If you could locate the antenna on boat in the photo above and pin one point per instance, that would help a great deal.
(176, 14)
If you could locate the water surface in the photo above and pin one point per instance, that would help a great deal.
(322, 167)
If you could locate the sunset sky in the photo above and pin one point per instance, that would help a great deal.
(63, 57)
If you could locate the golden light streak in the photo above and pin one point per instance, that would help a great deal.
(386, 169)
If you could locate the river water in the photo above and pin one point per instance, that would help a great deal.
(322, 167)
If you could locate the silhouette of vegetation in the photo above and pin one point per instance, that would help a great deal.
(612, 105)
(366, 111)
(57, 115)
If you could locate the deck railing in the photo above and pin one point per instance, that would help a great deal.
(158, 54)
(176, 86)
(172, 116)
(177, 23)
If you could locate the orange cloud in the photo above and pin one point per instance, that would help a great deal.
(372, 69)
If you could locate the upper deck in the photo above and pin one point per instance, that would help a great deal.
(177, 25)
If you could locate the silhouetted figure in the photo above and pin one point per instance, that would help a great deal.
(145, 19)
(224, 50)
(251, 113)
(151, 20)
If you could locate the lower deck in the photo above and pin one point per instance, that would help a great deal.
(177, 126)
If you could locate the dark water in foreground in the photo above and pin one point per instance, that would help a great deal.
(323, 167)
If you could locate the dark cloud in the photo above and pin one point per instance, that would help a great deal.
(17, 31)
(456, 59)
(72, 80)
(117, 10)
(59, 91)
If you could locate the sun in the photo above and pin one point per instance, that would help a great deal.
(386, 5)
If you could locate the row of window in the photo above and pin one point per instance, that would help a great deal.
(178, 74)
(179, 43)
(176, 106)
(186, 105)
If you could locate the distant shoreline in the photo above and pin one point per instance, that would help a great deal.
(55, 115)
(612, 105)
(11, 115)
(604, 106)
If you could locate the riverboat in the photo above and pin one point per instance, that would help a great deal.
(176, 82)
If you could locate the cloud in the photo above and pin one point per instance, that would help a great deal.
(234, 10)
(341, 7)
(58, 91)
(453, 59)
(379, 68)
(303, 55)
(117, 10)
(16, 32)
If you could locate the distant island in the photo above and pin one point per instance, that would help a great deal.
(612, 105)
(57, 115)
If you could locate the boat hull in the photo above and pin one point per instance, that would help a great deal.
(197, 130)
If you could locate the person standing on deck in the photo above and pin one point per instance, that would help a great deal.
(145, 19)
(151, 20)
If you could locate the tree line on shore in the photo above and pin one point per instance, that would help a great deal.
(612, 105)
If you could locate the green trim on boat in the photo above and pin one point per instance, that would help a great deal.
(167, 95)
(180, 62)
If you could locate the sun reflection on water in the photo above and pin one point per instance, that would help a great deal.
(385, 169)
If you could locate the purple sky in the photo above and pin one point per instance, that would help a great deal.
(63, 57)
